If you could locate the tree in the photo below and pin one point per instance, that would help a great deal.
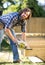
(3, 1)
(23, 4)
(16, 7)
(37, 10)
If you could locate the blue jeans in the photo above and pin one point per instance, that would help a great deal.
(14, 47)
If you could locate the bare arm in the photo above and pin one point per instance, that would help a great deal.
(24, 36)
(23, 28)
(8, 32)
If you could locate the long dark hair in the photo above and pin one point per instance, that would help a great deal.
(25, 10)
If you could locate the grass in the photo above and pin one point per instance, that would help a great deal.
(6, 59)
(11, 63)
(6, 47)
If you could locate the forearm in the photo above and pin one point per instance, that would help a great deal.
(9, 34)
(24, 36)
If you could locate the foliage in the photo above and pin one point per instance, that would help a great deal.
(37, 11)
(16, 5)
(11, 8)
(24, 4)
(5, 45)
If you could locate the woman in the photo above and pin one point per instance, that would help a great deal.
(14, 19)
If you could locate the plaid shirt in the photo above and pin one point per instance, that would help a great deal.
(11, 20)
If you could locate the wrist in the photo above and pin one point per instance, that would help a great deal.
(15, 40)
